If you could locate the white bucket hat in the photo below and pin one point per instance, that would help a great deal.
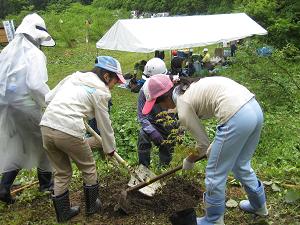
(34, 26)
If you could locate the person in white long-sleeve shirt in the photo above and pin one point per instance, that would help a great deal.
(240, 121)
(79, 96)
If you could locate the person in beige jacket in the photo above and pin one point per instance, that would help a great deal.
(79, 96)
(240, 121)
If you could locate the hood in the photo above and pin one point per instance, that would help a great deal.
(89, 79)
(34, 26)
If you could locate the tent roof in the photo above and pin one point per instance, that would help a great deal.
(165, 33)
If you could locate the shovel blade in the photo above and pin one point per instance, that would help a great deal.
(144, 174)
(123, 204)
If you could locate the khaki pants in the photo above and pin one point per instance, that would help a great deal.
(61, 149)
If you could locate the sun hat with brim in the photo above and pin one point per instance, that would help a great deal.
(154, 87)
(110, 64)
(34, 26)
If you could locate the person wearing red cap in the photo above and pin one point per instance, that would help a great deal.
(240, 121)
(79, 96)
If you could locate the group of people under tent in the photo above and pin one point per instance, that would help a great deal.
(45, 128)
(181, 65)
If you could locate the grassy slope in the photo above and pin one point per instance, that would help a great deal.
(274, 159)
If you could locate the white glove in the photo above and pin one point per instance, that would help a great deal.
(187, 165)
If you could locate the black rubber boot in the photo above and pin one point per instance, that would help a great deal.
(63, 209)
(5, 185)
(92, 201)
(184, 217)
(45, 180)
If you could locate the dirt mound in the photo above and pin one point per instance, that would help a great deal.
(177, 194)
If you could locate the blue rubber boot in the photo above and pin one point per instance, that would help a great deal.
(257, 201)
(215, 209)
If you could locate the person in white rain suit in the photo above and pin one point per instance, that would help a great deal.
(23, 77)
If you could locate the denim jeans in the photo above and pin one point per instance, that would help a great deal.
(232, 150)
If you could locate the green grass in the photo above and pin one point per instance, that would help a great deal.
(276, 159)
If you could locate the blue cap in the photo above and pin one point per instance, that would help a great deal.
(110, 64)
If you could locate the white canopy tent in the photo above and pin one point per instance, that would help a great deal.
(166, 33)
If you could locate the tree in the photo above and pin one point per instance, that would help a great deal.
(12, 7)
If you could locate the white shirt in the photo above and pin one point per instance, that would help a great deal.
(78, 96)
(209, 97)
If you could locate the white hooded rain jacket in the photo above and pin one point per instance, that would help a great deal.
(23, 77)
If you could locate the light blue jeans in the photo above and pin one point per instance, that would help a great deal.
(232, 150)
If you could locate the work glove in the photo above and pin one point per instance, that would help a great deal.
(201, 151)
(187, 165)
(156, 137)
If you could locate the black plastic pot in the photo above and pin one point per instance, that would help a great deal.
(184, 217)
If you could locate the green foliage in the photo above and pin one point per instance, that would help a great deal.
(59, 5)
(275, 81)
(12, 7)
(126, 127)
(109, 4)
(77, 23)
(276, 75)
(280, 18)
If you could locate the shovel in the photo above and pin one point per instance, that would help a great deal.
(123, 203)
(141, 174)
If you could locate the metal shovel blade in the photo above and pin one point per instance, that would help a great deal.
(144, 174)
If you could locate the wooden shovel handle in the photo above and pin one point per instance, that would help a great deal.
(116, 155)
(152, 180)
(23, 187)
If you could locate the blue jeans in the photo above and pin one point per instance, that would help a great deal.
(232, 150)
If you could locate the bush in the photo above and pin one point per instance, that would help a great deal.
(274, 79)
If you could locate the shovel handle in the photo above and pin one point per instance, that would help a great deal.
(23, 187)
(152, 180)
(90, 130)
(116, 155)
